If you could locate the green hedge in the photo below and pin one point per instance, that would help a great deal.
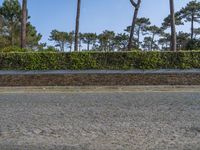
(97, 60)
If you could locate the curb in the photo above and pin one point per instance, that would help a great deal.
(98, 89)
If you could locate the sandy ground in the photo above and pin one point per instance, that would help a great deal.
(109, 119)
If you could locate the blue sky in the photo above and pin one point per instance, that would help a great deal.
(96, 15)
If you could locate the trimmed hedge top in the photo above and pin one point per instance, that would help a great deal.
(100, 61)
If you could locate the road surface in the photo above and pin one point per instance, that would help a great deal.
(116, 120)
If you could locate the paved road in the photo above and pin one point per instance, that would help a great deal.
(102, 121)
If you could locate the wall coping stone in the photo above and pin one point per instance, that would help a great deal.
(63, 72)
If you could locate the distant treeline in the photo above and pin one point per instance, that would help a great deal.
(146, 36)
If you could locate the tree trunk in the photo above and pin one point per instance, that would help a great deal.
(173, 27)
(23, 24)
(138, 40)
(88, 46)
(192, 27)
(137, 6)
(152, 41)
(77, 24)
(12, 41)
(70, 48)
(63, 46)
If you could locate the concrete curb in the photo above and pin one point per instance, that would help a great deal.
(70, 72)
(99, 89)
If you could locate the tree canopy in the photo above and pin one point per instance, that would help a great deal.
(142, 34)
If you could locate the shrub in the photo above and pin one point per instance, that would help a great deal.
(13, 49)
(49, 49)
(99, 60)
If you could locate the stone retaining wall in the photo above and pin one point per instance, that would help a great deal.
(99, 78)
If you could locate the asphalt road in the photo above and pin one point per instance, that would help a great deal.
(100, 121)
